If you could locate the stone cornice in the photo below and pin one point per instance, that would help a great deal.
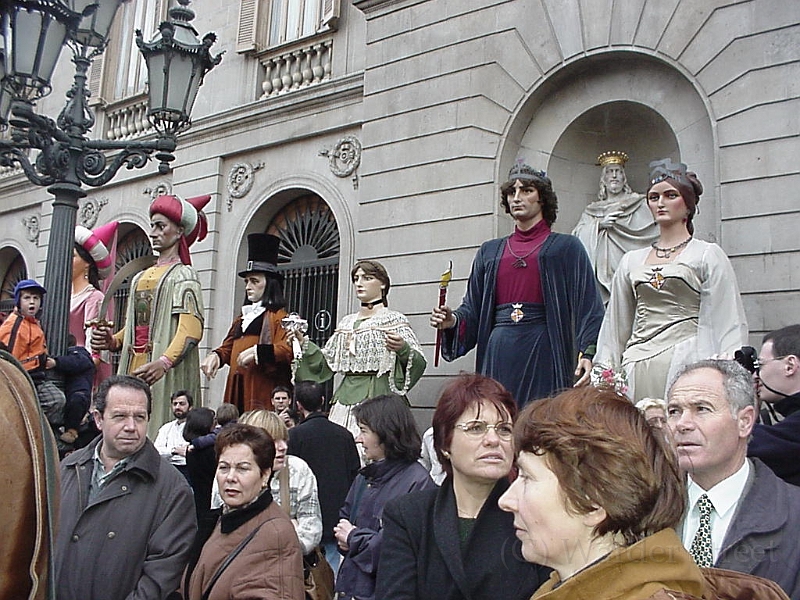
(292, 105)
(370, 7)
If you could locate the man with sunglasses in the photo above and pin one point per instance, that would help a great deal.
(778, 385)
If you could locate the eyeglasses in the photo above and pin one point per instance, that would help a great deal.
(761, 362)
(478, 429)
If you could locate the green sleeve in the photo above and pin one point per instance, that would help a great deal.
(418, 365)
(313, 366)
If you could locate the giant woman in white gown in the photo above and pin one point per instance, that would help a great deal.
(675, 302)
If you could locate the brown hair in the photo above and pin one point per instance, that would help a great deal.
(376, 270)
(390, 418)
(257, 439)
(227, 413)
(603, 453)
(543, 185)
(690, 188)
(466, 390)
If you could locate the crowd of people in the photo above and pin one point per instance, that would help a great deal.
(618, 440)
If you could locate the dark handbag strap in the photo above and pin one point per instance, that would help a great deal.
(228, 560)
(13, 337)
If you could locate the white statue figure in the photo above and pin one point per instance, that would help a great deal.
(618, 221)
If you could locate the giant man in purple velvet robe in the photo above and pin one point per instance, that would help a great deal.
(530, 347)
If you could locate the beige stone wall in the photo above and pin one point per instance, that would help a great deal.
(444, 96)
(455, 92)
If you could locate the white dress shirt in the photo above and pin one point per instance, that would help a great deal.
(171, 436)
(725, 497)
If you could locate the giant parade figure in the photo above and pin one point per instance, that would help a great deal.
(164, 319)
(532, 308)
(256, 348)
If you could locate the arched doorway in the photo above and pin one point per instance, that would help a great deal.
(15, 272)
(132, 243)
(309, 261)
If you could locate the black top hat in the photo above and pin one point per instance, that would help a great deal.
(262, 254)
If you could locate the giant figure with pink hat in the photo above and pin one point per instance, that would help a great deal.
(92, 261)
(164, 320)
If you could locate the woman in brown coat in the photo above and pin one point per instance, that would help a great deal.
(268, 563)
(256, 348)
(597, 498)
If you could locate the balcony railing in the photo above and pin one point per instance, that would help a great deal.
(296, 66)
(127, 119)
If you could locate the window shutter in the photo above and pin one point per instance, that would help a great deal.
(330, 13)
(247, 35)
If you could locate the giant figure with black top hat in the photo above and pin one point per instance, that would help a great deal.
(256, 348)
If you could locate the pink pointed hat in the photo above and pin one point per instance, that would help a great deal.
(98, 243)
(188, 214)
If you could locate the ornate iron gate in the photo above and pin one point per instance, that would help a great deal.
(308, 258)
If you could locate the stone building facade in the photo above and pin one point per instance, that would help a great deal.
(380, 128)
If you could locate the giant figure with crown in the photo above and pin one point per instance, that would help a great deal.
(532, 309)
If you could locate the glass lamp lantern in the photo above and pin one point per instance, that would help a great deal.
(177, 60)
(98, 16)
(34, 32)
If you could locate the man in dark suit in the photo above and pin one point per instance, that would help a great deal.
(740, 516)
(778, 384)
(330, 451)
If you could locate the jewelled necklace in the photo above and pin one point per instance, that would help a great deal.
(520, 262)
(667, 252)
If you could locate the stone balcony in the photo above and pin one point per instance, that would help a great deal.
(127, 119)
(297, 65)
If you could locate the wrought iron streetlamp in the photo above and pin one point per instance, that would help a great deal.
(34, 33)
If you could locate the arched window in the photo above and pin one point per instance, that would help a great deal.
(309, 261)
(15, 272)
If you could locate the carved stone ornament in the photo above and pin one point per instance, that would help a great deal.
(89, 211)
(31, 223)
(240, 180)
(160, 189)
(345, 157)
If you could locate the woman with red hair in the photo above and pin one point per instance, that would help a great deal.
(598, 496)
(454, 542)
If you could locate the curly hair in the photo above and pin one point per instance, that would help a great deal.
(543, 185)
(603, 453)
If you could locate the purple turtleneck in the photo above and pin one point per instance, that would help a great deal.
(522, 285)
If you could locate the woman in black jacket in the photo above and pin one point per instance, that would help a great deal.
(454, 542)
(201, 463)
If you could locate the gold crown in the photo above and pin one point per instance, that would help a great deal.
(612, 157)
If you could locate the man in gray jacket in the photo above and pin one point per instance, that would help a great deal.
(127, 518)
(740, 516)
